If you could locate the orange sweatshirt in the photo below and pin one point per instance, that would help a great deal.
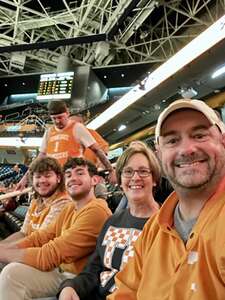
(69, 241)
(41, 214)
(164, 268)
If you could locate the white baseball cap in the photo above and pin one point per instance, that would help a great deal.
(198, 105)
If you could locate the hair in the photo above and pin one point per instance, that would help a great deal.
(137, 144)
(56, 107)
(147, 152)
(43, 164)
(73, 162)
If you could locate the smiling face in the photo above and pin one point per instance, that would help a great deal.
(79, 184)
(60, 121)
(137, 188)
(45, 183)
(191, 150)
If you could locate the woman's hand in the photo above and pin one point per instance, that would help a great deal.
(68, 293)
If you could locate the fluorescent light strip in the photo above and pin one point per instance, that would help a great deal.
(219, 72)
(203, 42)
(17, 142)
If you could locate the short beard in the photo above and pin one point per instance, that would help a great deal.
(79, 196)
(49, 194)
(213, 177)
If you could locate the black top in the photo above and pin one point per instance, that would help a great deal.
(114, 247)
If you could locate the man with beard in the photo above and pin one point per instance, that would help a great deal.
(67, 138)
(40, 262)
(48, 199)
(181, 252)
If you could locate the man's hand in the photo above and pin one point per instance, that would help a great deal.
(22, 183)
(3, 250)
(68, 293)
(10, 253)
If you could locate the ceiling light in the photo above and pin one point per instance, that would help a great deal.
(157, 106)
(122, 75)
(122, 127)
(105, 76)
(188, 92)
(16, 142)
(203, 42)
(218, 72)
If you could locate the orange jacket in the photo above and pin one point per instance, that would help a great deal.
(165, 268)
(69, 241)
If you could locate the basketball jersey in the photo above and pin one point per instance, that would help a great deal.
(62, 144)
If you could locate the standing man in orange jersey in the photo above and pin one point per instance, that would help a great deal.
(66, 138)
(103, 144)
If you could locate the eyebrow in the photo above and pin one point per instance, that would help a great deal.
(174, 132)
(77, 168)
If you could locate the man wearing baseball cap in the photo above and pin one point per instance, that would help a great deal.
(66, 138)
(181, 252)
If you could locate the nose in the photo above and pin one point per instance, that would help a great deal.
(136, 175)
(42, 179)
(187, 146)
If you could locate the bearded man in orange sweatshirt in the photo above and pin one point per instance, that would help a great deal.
(181, 251)
(40, 262)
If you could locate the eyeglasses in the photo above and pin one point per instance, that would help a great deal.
(129, 173)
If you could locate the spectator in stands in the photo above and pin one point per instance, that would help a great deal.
(100, 188)
(138, 171)
(48, 200)
(67, 138)
(103, 144)
(180, 254)
(161, 191)
(40, 262)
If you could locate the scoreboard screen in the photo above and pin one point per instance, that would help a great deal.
(55, 86)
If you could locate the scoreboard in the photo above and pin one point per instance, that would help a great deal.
(55, 86)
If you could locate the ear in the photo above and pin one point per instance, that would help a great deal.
(95, 179)
(158, 151)
(58, 179)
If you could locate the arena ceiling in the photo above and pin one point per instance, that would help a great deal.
(100, 33)
(105, 34)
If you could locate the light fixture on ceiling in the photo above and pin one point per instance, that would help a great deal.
(218, 72)
(157, 107)
(16, 142)
(122, 127)
(188, 92)
(203, 42)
